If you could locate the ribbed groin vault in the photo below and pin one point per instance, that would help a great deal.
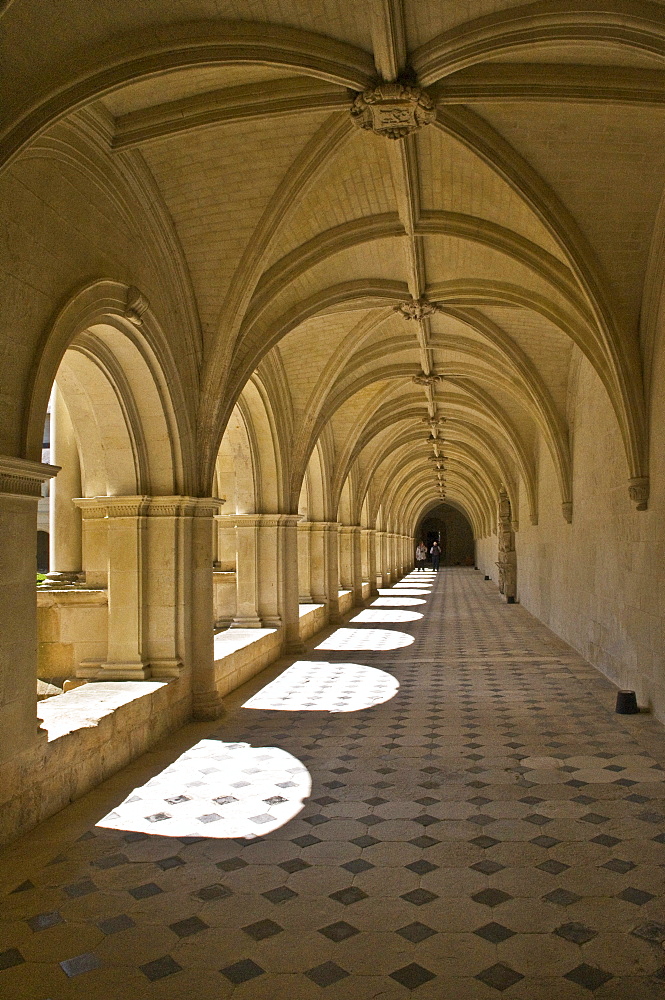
(287, 285)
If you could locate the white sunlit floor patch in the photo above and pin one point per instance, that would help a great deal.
(397, 602)
(404, 592)
(314, 686)
(386, 615)
(217, 790)
(375, 639)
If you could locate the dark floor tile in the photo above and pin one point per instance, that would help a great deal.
(115, 924)
(339, 931)
(279, 895)
(242, 972)
(412, 976)
(167, 863)
(348, 896)
(263, 929)
(326, 974)
(499, 977)
(588, 976)
(307, 841)
(637, 896)
(10, 958)
(294, 865)
(617, 865)
(562, 897)
(577, 933)
(87, 962)
(357, 866)
(496, 933)
(416, 932)
(491, 897)
(365, 841)
(484, 841)
(82, 888)
(553, 867)
(110, 861)
(651, 931)
(419, 897)
(487, 867)
(424, 842)
(189, 926)
(145, 891)
(43, 920)
(214, 891)
(544, 841)
(421, 867)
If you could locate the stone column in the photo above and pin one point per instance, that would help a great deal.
(206, 698)
(126, 540)
(384, 565)
(346, 556)
(287, 555)
(247, 550)
(332, 572)
(20, 489)
(357, 578)
(318, 560)
(370, 534)
(64, 516)
(304, 563)
(269, 578)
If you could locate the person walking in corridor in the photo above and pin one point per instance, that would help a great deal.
(435, 553)
(421, 556)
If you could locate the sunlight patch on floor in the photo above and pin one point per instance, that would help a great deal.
(217, 790)
(315, 686)
(375, 639)
(386, 616)
(397, 602)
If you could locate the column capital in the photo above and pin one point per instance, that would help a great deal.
(22, 478)
(146, 506)
(349, 528)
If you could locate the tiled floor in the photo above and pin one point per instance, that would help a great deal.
(486, 825)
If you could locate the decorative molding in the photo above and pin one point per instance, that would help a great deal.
(567, 511)
(434, 422)
(417, 308)
(144, 506)
(263, 520)
(136, 307)
(422, 379)
(638, 491)
(21, 478)
(393, 110)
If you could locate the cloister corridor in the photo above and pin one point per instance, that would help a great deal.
(453, 811)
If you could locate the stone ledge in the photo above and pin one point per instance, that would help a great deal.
(93, 731)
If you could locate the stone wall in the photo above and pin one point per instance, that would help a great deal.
(599, 582)
(93, 731)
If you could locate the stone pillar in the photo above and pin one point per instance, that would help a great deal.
(370, 535)
(332, 572)
(346, 556)
(64, 516)
(247, 550)
(269, 578)
(318, 556)
(126, 541)
(206, 698)
(20, 489)
(384, 570)
(357, 578)
(304, 563)
(287, 555)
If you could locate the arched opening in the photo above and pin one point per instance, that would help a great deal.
(449, 526)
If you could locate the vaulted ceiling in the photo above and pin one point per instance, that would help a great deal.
(423, 301)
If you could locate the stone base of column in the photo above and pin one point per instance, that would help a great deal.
(246, 623)
(306, 599)
(294, 647)
(61, 579)
(223, 623)
(164, 669)
(272, 621)
(137, 671)
(207, 705)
